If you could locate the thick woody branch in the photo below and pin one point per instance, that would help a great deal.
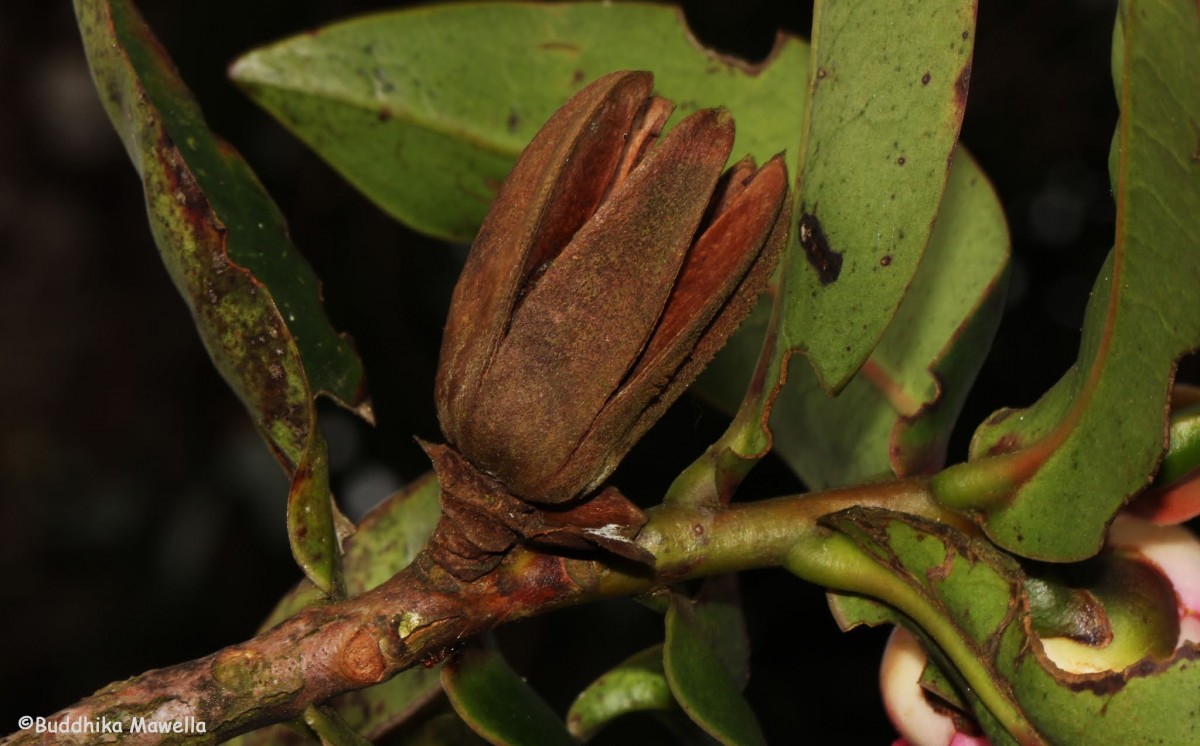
(422, 612)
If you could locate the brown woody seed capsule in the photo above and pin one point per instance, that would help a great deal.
(604, 278)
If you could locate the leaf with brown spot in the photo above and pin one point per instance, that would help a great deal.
(255, 301)
(876, 152)
(896, 415)
(880, 128)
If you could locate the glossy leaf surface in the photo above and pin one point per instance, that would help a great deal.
(702, 683)
(887, 89)
(640, 682)
(497, 703)
(637, 684)
(256, 302)
(428, 133)
(1047, 480)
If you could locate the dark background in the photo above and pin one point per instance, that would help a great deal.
(143, 519)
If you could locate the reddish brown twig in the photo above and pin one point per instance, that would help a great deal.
(422, 613)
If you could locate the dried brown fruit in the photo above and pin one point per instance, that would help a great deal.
(604, 278)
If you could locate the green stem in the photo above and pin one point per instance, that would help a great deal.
(834, 561)
(713, 478)
(692, 542)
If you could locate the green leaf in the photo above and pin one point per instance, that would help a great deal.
(702, 684)
(428, 132)
(887, 88)
(392, 534)
(969, 601)
(1153, 703)
(310, 519)
(498, 704)
(256, 302)
(375, 711)
(1132, 612)
(387, 540)
(637, 684)
(1046, 480)
(848, 268)
(1057, 610)
(851, 611)
(718, 611)
(896, 415)
(331, 729)
(937, 682)
(640, 683)
(954, 592)
(939, 677)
